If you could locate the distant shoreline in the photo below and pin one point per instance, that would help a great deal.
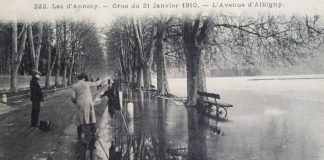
(267, 77)
(288, 78)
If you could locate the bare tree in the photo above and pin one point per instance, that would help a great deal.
(122, 50)
(77, 33)
(162, 81)
(35, 45)
(145, 55)
(58, 52)
(17, 52)
(194, 36)
(271, 38)
(49, 44)
(5, 48)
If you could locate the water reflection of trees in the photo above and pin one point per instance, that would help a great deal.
(149, 139)
(197, 124)
(148, 147)
(150, 143)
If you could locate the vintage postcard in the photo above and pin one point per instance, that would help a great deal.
(161, 80)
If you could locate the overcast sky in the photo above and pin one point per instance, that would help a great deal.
(24, 9)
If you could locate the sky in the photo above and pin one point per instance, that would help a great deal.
(25, 9)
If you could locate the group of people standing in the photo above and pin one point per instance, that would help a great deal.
(85, 117)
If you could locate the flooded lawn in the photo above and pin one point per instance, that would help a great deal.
(271, 119)
(154, 128)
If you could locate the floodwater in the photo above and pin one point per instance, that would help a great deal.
(272, 118)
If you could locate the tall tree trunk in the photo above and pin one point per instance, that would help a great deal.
(2, 66)
(122, 61)
(17, 53)
(38, 43)
(197, 144)
(3, 60)
(35, 52)
(162, 81)
(147, 77)
(9, 65)
(31, 45)
(64, 75)
(49, 48)
(201, 73)
(147, 65)
(130, 75)
(160, 65)
(124, 77)
(161, 127)
(57, 77)
(58, 55)
(54, 60)
(145, 57)
(165, 79)
(70, 72)
(194, 36)
(13, 80)
(139, 77)
(49, 70)
(134, 78)
(58, 68)
(65, 55)
(192, 54)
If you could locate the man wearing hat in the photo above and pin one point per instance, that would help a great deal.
(36, 96)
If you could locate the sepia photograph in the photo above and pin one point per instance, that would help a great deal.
(161, 80)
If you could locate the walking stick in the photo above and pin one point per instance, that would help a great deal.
(124, 120)
(103, 148)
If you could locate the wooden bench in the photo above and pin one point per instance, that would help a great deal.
(211, 106)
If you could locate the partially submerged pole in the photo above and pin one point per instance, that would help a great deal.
(130, 117)
(4, 97)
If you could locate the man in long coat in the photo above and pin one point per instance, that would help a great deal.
(36, 97)
(82, 98)
(85, 116)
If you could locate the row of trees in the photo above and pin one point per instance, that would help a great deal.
(139, 46)
(235, 71)
(144, 44)
(62, 48)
